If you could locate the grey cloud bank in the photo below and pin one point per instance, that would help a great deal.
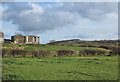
(30, 17)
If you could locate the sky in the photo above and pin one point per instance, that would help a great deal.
(61, 20)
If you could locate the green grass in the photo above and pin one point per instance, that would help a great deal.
(54, 48)
(48, 47)
(8, 45)
(61, 68)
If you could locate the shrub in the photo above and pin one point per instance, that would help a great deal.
(40, 53)
(65, 52)
(105, 47)
(23, 53)
(6, 52)
(82, 53)
(115, 49)
(18, 52)
(83, 46)
(91, 52)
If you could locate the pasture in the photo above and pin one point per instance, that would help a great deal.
(60, 68)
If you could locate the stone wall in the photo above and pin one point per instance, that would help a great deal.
(18, 39)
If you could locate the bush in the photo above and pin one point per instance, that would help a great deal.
(82, 53)
(23, 53)
(91, 52)
(40, 53)
(65, 52)
(18, 52)
(6, 52)
(115, 49)
(105, 47)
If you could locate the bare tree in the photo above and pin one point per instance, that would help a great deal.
(51, 41)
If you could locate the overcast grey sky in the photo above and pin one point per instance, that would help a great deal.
(61, 20)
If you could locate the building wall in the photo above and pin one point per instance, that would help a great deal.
(18, 39)
(36, 40)
(32, 40)
(1, 37)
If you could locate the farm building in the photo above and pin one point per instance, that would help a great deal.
(1, 37)
(31, 39)
(20, 39)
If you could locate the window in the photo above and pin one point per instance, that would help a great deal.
(35, 39)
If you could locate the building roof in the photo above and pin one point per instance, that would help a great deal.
(32, 35)
(17, 35)
(24, 36)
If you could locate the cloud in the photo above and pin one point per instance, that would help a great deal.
(6, 1)
(94, 11)
(31, 17)
(78, 35)
(94, 37)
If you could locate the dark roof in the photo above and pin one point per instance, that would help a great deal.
(17, 35)
(7, 40)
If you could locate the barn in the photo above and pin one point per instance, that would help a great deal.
(20, 39)
(31, 39)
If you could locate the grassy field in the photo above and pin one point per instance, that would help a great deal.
(47, 47)
(61, 68)
(54, 48)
